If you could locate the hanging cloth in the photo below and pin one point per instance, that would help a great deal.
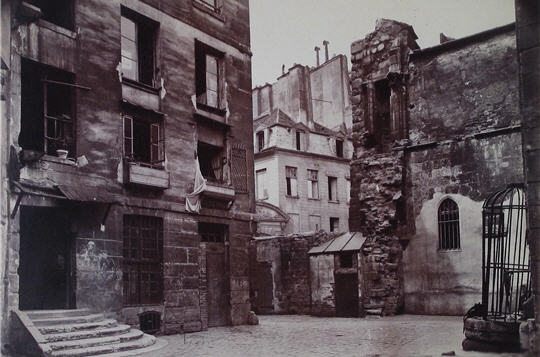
(193, 200)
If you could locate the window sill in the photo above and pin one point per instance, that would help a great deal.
(295, 197)
(212, 114)
(333, 201)
(314, 199)
(140, 85)
(68, 161)
(458, 250)
(146, 175)
(57, 28)
(213, 12)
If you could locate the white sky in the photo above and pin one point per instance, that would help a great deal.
(286, 31)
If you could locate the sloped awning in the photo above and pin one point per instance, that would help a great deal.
(347, 242)
(86, 194)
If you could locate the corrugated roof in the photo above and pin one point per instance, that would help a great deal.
(347, 242)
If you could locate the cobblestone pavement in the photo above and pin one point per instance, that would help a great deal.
(299, 335)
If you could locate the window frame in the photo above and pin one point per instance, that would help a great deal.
(291, 181)
(333, 220)
(202, 53)
(260, 186)
(156, 143)
(313, 184)
(260, 140)
(213, 232)
(339, 148)
(332, 196)
(146, 38)
(205, 5)
(449, 225)
(50, 13)
(134, 249)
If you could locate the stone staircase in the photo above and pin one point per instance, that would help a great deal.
(83, 333)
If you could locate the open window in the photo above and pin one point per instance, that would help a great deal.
(260, 141)
(313, 184)
(144, 140)
(332, 188)
(211, 161)
(291, 181)
(298, 139)
(339, 148)
(209, 77)
(138, 47)
(47, 109)
(334, 224)
(58, 12)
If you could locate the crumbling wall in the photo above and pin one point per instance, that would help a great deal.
(322, 285)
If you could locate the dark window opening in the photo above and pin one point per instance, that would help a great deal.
(150, 321)
(143, 141)
(298, 140)
(449, 237)
(332, 188)
(346, 260)
(291, 181)
(334, 224)
(339, 148)
(143, 258)
(59, 12)
(211, 161)
(138, 47)
(47, 109)
(260, 141)
(208, 76)
(381, 115)
(213, 232)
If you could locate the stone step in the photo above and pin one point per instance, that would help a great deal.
(144, 341)
(77, 335)
(43, 314)
(96, 341)
(66, 320)
(76, 327)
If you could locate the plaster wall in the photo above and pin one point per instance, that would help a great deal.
(322, 285)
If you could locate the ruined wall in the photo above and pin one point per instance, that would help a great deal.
(280, 272)
(322, 285)
(463, 103)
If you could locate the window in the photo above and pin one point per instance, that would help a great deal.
(314, 223)
(292, 185)
(212, 5)
(332, 188)
(449, 237)
(212, 232)
(239, 169)
(298, 140)
(339, 148)
(211, 161)
(143, 258)
(260, 141)
(313, 184)
(47, 109)
(348, 189)
(144, 140)
(208, 76)
(59, 12)
(138, 37)
(262, 192)
(345, 260)
(334, 224)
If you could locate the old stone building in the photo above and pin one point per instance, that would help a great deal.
(302, 147)
(113, 112)
(435, 132)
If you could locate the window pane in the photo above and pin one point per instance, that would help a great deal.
(212, 99)
(128, 28)
(129, 49)
(211, 82)
(129, 68)
(212, 65)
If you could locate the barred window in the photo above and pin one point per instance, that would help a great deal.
(292, 185)
(212, 232)
(143, 257)
(449, 237)
(313, 184)
(239, 169)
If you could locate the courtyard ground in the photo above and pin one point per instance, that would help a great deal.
(300, 335)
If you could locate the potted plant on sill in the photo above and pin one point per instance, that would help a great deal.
(62, 150)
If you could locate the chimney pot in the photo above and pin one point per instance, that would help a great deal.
(317, 49)
(325, 44)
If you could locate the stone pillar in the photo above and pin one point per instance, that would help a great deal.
(528, 45)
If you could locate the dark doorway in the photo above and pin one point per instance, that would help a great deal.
(218, 285)
(46, 269)
(346, 295)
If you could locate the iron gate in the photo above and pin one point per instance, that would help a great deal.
(505, 255)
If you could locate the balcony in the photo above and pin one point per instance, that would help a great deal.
(146, 175)
(219, 191)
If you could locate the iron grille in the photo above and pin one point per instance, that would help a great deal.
(505, 255)
(212, 232)
(143, 257)
(239, 169)
(449, 237)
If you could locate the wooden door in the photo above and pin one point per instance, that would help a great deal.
(218, 285)
(346, 295)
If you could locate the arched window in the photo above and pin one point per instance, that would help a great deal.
(449, 225)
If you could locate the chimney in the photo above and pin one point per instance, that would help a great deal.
(325, 44)
(317, 49)
(282, 69)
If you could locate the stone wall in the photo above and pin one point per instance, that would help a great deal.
(280, 272)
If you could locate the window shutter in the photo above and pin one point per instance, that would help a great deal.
(156, 144)
(128, 137)
(239, 169)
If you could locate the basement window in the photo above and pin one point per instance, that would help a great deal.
(209, 76)
(144, 141)
(291, 181)
(143, 259)
(213, 232)
(47, 109)
(58, 12)
(332, 189)
(211, 161)
(138, 47)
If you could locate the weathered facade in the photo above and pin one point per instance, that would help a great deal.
(302, 146)
(435, 132)
(143, 95)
